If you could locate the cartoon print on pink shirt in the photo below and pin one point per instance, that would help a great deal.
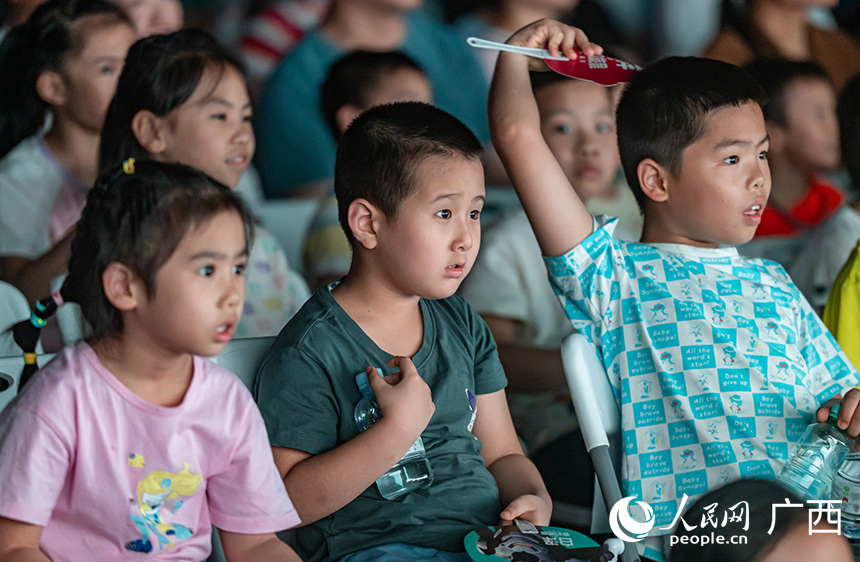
(153, 492)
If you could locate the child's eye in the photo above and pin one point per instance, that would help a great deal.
(107, 70)
(603, 128)
(206, 270)
(247, 118)
(763, 155)
(563, 129)
(220, 116)
(239, 268)
(444, 214)
(731, 160)
(475, 214)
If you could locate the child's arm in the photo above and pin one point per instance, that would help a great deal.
(242, 547)
(19, 542)
(558, 217)
(521, 488)
(319, 485)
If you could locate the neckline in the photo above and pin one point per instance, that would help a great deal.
(427, 341)
(164, 411)
(695, 251)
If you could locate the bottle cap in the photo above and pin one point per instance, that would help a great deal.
(832, 417)
(363, 384)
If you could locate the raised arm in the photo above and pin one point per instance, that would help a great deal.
(557, 215)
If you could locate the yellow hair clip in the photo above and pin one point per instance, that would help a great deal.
(128, 166)
(29, 358)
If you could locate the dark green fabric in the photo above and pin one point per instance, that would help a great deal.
(307, 393)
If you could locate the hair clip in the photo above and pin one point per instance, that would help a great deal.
(128, 166)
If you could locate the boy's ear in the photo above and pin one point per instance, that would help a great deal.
(363, 218)
(345, 115)
(147, 128)
(653, 179)
(50, 87)
(123, 289)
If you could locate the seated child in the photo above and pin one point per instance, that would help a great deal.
(800, 115)
(355, 83)
(63, 62)
(182, 98)
(509, 288)
(131, 441)
(770, 532)
(410, 189)
(829, 245)
(718, 361)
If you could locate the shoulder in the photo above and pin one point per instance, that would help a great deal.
(25, 163)
(313, 328)
(55, 387)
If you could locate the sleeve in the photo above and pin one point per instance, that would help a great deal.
(249, 496)
(829, 371)
(496, 284)
(294, 147)
(297, 402)
(488, 371)
(582, 279)
(34, 461)
(842, 313)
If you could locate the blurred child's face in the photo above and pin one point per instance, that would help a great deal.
(430, 244)
(200, 290)
(89, 78)
(812, 129)
(579, 126)
(723, 182)
(212, 131)
(152, 17)
(404, 84)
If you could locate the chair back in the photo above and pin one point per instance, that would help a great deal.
(243, 357)
(10, 374)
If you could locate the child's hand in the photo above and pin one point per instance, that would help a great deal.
(555, 37)
(533, 509)
(404, 397)
(849, 413)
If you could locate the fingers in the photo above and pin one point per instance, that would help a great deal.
(520, 508)
(407, 368)
(557, 38)
(849, 416)
(824, 411)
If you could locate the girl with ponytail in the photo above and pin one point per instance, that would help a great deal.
(60, 69)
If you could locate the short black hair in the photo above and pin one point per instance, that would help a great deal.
(848, 111)
(352, 78)
(775, 76)
(760, 497)
(378, 154)
(664, 107)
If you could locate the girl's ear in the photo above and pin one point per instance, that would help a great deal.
(654, 180)
(50, 87)
(123, 289)
(363, 218)
(147, 128)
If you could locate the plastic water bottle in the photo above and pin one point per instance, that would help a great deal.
(814, 461)
(846, 487)
(412, 472)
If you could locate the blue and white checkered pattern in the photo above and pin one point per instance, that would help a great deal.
(718, 362)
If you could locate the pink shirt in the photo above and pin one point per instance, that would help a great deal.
(111, 476)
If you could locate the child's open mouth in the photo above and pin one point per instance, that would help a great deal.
(224, 332)
(753, 214)
(455, 270)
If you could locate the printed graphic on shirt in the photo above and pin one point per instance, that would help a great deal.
(158, 501)
(473, 406)
(717, 361)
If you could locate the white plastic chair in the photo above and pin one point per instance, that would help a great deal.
(10, 373)
(599, 418)
(288, 221)
(243, 357)
(13, 309)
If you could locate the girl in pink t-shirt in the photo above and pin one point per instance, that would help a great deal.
(130, 442)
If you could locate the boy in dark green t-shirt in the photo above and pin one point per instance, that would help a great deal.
(410, 189)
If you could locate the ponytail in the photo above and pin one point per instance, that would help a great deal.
(26, 333)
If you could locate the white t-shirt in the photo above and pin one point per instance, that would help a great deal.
(108, 474)
(821, 258)
(39, 201)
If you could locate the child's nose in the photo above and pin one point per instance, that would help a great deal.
(464, 239)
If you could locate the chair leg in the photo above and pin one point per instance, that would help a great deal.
(611, 491)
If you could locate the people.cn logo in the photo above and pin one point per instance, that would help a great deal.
(623, 524)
